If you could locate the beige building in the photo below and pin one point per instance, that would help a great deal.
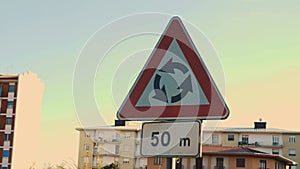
(101, 146)
(21, 106)
(223, 148)
(273, 141)
(227, 157)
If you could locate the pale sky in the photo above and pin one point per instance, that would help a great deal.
(257, 63)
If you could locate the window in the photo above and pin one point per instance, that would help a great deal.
(87, 135)
(126, 161)
(220, 162)
(127, 135)
(292, 152)
(10, 104)
(4, 167)
(262, 164)
(245, 139)
(6, 137)
(11, 88)
(117, 149)
(0, 89)
(86, 147)
(85, 159)
(275, 140)
(8, 120)
(157, 160)
(116, 138)
(275, 151)
(230, 137)
(5, 153)
(215, 139)
(240, 163)
(292, 139)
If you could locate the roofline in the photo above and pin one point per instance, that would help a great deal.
(270, 132)
(265, 155)
(120, 128)
(227, 130)
(252, 153)
(8, 77)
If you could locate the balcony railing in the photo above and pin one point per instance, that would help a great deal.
(95, 152)
(259, 144)
(219, 167)
(114, 140)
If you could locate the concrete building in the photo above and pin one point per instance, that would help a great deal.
(101, 146)
(226, 157)
(223, 148)
(273, 141)
(20, 105)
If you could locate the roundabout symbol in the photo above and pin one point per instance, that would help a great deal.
(168, 70)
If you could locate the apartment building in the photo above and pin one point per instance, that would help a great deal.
(223, 148)
(227, 157)
(269, 140)
(118, 144)
(20, 105)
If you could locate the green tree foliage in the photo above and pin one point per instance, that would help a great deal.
(111, 166)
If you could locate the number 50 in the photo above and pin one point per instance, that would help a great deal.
(165, 138)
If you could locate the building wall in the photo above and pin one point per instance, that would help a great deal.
(27, 110)
(151, 165)
(85, 149)
(291, 145)
(226, 142)
(111, 145)
(8, 111)
(210, 138)
(213, 161)
(209, 162)
(264, 139)
(127, 149)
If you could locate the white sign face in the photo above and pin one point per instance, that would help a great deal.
(171, 139)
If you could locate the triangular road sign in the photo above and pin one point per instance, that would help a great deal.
(174, 83)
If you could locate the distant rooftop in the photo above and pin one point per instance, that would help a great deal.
(130, 126)
(112, 127)
(242, 151)
(8, 77)
(249, 129)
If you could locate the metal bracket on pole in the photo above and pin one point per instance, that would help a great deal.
(178, 163)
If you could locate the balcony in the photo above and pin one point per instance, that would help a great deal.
(115, 140)
(260, 144)
(219, 167)
(245, 143)
(105, 153)
(102, 140)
